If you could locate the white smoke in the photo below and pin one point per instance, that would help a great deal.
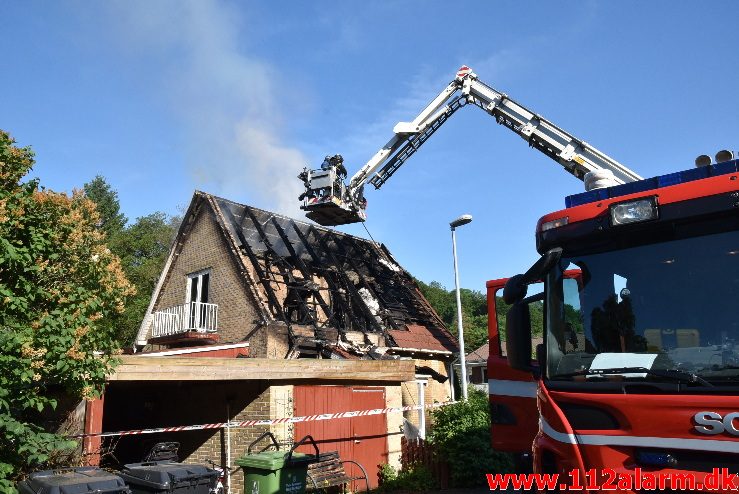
(223, 96)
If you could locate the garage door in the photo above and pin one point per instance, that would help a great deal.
(361, 439)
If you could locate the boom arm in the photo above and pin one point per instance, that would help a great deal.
(575, 156)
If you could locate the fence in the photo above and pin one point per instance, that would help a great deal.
(419, 452)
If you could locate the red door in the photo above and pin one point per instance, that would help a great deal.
(514, 416)
(369, 433)
(331, 435)
(514, 413)
(360, 439)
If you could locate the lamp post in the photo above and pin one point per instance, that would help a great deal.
(462, 220)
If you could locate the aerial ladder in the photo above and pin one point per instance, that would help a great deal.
(329, 200)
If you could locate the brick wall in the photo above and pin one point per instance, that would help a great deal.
(269, 341)
(137, 405)
(271, 402)
(394, 398)
(156, 404)
(215, 447)
(435, 392)
(206, 248)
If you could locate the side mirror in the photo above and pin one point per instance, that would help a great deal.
(515, 289)
(518, 337)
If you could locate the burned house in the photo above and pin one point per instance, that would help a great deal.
(244, 282)
(290, 289)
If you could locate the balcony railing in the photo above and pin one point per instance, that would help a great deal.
(195, 316)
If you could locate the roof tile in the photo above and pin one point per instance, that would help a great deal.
(424, 338)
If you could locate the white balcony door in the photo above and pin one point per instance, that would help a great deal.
(198, 285)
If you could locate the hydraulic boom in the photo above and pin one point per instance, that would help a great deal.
(328, 200)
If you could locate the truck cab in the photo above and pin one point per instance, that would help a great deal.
(639, 365)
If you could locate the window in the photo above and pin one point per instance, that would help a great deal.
(536, 310)
(666, 306)
(198, 287)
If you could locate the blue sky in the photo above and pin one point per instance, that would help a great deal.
(234, 98)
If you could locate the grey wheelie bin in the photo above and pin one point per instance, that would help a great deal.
(80, 480)
(168, 477)
(273, 472)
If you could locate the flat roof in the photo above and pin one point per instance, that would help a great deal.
(143, 368)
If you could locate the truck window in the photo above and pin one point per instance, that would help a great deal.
(537, 317)
(664, 306)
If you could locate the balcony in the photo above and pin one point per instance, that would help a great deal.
(190, 323)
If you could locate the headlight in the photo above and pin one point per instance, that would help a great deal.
(634, 211)
(550, 225)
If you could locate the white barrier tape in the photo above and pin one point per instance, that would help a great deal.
(249, 423)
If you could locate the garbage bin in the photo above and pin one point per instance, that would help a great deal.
(80, 480)
(273, 472)
(168, 477)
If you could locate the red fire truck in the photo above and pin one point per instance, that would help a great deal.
(638, 364)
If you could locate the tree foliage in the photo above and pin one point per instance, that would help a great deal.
(142, 247)
(58, 283)
(474, 311)
(111, 220)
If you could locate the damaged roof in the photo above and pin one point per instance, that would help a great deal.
(314, 277)
(424, 337)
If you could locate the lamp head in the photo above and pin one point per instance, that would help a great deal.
(462, 220)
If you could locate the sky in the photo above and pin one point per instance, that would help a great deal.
(236, 97)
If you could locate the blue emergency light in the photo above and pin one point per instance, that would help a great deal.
(653, 183)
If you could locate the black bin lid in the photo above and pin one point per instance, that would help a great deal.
(165, 475)
(80, 480)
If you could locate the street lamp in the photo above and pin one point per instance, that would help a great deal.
(462, 220)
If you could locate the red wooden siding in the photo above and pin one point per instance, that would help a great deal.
(361, 439)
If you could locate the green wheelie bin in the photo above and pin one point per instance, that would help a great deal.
(276, 472)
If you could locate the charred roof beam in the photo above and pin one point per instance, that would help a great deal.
(274, 304)
(351, 259)
(302, 268)
(349, 285)
(343, 307)
(286, 274)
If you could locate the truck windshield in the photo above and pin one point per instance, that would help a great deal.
(666, 306)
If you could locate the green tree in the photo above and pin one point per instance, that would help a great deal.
(474, 311)
(108, 206)
(58, 281)
(143, 248)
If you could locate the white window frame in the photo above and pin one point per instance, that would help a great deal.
(199, 276)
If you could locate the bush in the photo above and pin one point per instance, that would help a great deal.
(58, 284)
(461, 435)
(417, 478)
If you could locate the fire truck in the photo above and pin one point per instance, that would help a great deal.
(636, 365)
(637, 368)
